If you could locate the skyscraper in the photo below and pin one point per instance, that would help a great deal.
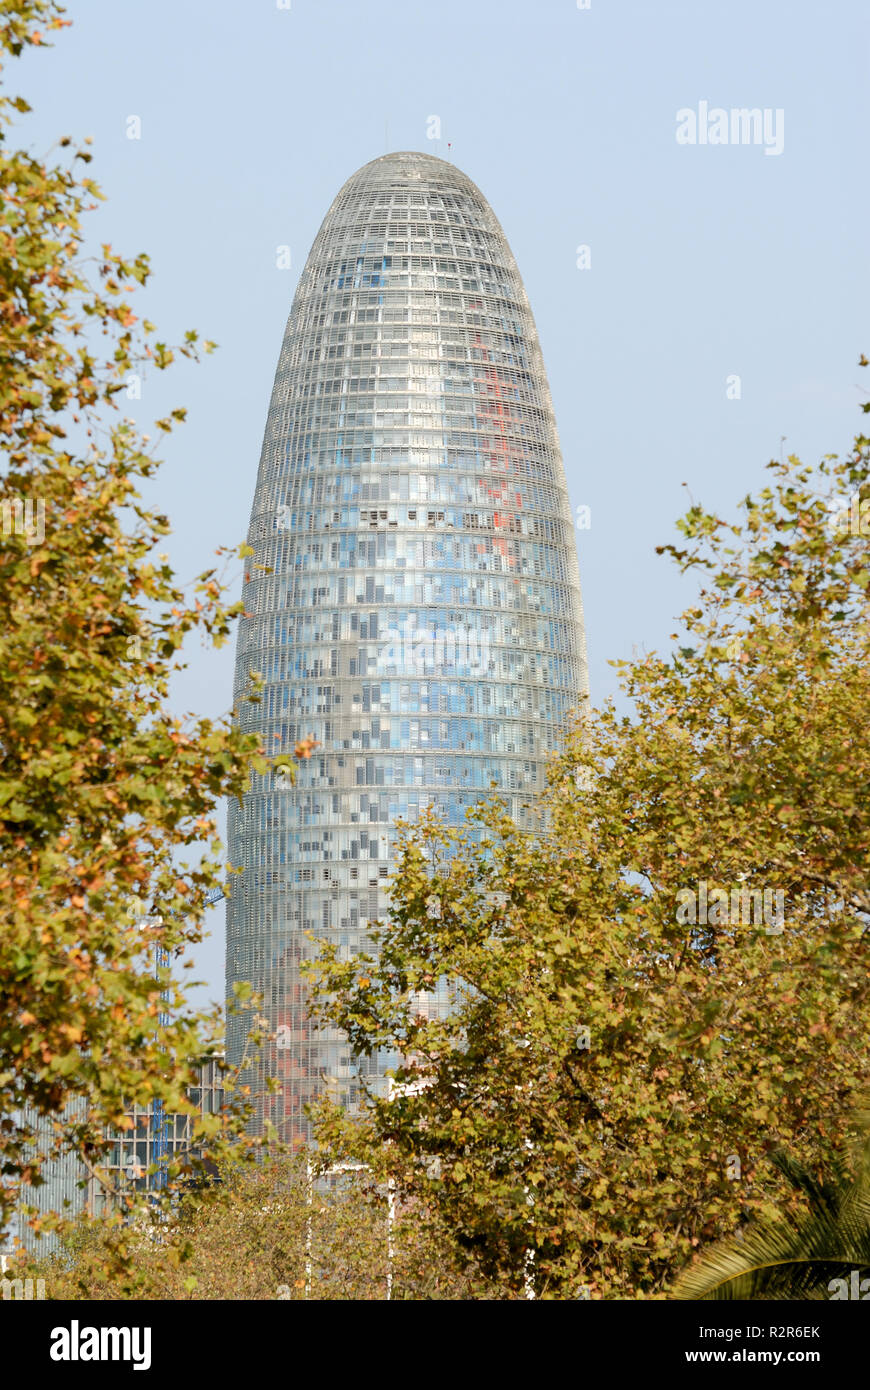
(413, 599)
(136, 1162)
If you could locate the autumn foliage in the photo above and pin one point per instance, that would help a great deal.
(613, 1081)
(102, 789)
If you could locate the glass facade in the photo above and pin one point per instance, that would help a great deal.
(135, 1162)
(413, 601)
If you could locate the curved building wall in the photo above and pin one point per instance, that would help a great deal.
(413, 599)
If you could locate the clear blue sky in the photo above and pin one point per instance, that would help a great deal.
(706, 261)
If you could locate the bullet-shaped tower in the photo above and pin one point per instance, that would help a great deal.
(413, 599)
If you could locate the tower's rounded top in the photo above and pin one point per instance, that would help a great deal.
(407, 168)
(406, 164)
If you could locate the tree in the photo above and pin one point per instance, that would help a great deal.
(822, 1253)
(101, 788)
(283, 1229)
(669, 982)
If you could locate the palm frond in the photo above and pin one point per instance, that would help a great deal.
(795, 1257)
